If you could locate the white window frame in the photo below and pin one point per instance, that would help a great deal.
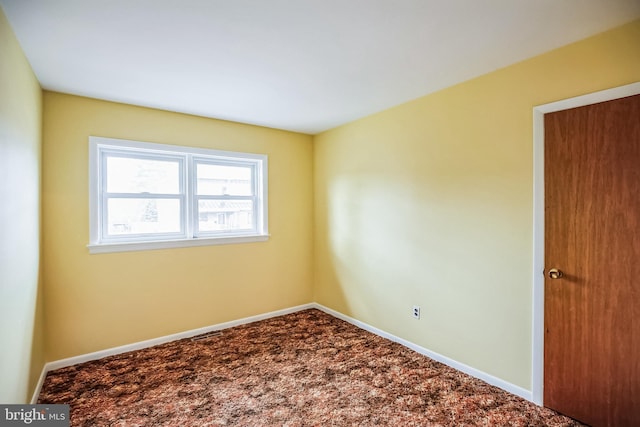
(187, 158)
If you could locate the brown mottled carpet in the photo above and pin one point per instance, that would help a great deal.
(302, 369)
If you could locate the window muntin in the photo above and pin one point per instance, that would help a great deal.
(146, 196)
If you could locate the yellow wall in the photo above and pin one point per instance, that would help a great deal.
(430, 203)
(99, 301)
(21, 349)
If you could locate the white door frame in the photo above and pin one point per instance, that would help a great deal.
(537, 369)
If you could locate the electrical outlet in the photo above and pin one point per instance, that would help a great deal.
(416, 312)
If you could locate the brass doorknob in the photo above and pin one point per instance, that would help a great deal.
(554, 273)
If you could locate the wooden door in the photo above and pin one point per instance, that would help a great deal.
(592, 234)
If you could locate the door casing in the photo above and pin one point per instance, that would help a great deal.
(537, 368)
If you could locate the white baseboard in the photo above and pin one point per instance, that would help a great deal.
(507, 386)
(511, 388)
(36, 391)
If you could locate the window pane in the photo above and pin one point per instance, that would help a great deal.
(218, 180)
(143, 216)
(220, 215)
(131, 175)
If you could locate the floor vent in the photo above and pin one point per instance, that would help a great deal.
(206, 336)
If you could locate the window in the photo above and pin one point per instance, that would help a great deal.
(152, 196)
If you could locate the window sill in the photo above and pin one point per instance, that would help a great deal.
(102, 248)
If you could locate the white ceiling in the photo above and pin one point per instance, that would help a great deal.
(301, 65)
